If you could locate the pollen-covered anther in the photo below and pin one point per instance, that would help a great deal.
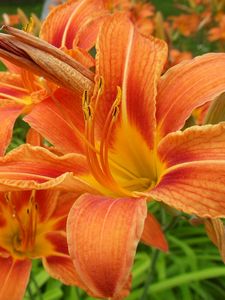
(86, 105)
(29, 26)
(101, 85)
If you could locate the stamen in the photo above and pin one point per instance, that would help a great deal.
(86, 106)
(14, 214)
(31, 224)
(4, 84)
(66, 116)
(29, 81)
(17, 100)
(107, 130)
(100, 166)
(29, 26)
(90, 154)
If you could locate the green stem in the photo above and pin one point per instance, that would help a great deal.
(151, 274)
(77, 293)
(153, 262)
(186, 279)
(30, 293)
(36, 286)
(171, 224)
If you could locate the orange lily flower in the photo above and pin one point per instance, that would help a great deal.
(74, 24)
(216, 232)
(176, 56)
(18, 94)
(218, 33)
(134, 151)
(127, 149)
(32, 225)
(20, 89)
(78, 29)
(186, 24)
(33, 220)
(80, 21)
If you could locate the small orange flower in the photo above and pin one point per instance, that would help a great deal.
(218, 33)
(10, 19)
(186, 24)
(176, 56)
(32, 225)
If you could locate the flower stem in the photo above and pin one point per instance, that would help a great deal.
(151, 274)
(36, 286)
(155, 255)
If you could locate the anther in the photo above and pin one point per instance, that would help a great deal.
(29, 26)
(115, 112)
(86, 105)
(100, 85)
(116, 103)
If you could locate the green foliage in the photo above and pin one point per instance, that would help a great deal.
(10, 7)
(19, 134)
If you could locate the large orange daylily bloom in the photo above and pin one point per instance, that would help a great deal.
(129, 149)
(134, 148)
(32, 225)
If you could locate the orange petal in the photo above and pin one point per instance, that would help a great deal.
(57, 119)
(8, 116)
(153, 235)
(11, 85)
(64, 203)
(11, 67)
(103, 234)
(13, 285)
(87, 34)
(58, 241)
(47, 202)
(216, 232)
(62, 268)
(214, 113)
(29, 167)
(195, 143)
(62, 24)
(187, 86)
(56, 205)
(82, 56)
(195, 188)
(33, 138)
(133, 63)
(125, 290)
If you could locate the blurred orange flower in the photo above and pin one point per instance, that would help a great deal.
(32, 225)
(218, 33)
(186, 24)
